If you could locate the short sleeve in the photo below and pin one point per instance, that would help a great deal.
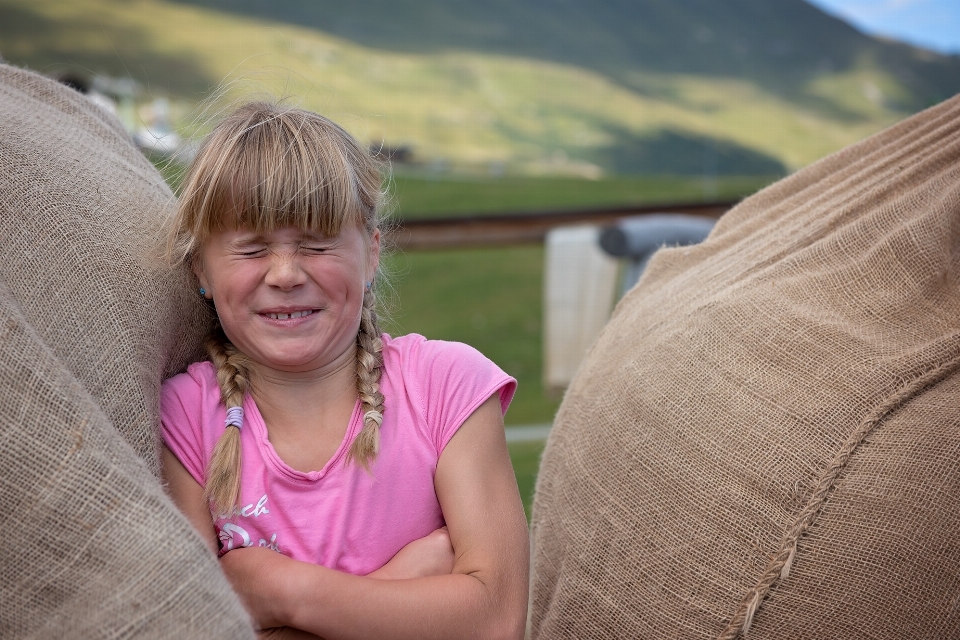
(181, 422)
(452, 379)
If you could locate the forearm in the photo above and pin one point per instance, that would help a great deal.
(484, 596)
(337, 605)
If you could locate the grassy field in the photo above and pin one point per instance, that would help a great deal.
(420, 197)
(488, 298)
(491, 298)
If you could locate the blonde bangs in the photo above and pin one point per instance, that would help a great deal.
(266, 167)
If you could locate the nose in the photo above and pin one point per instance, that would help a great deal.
(284, 271)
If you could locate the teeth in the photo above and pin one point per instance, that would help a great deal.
(288, 316)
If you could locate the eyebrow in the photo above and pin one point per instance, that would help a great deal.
(258, 238)
(317, 237)
(247, 239)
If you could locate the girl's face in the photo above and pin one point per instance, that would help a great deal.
(289, 300)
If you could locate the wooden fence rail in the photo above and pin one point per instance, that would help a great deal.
(524, 228)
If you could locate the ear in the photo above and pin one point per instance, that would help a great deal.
(373, 255)
(196, 265)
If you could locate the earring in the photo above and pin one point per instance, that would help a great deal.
(203, 292)
(369, 284)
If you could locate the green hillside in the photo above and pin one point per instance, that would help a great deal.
(567, 87)
(780, 45)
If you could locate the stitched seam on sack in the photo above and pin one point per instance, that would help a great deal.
(779, 567)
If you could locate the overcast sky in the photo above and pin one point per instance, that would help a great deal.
(932, 24)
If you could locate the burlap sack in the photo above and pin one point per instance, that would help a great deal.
(768, 429)
(89, 326)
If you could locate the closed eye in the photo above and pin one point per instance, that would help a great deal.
(252, 251)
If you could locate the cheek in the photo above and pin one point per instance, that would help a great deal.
(237, 273)
(347, 278)
(232, 288)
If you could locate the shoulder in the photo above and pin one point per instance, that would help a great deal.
(189, 405)
(415, 350)
(445, 372)
(190, 386)
(197, 374)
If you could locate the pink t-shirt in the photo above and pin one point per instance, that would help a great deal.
(341, 516)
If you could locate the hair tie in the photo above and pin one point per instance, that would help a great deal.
(234, 418)
(374, 415)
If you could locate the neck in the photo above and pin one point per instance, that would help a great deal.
(290, 393)
(307, 413)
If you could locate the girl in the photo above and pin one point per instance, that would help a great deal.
(314, 454)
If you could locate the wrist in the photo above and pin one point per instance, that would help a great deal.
(261, 578)
(296, 594)
(284, 594)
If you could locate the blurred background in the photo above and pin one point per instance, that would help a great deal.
(501, 110)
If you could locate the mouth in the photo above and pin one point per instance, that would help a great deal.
(290, 315)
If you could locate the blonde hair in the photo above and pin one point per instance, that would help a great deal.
(262, 168)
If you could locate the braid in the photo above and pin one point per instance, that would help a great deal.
(369, 367)
(223, 472)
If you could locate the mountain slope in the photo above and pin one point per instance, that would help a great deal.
(779, 45)
(544, 86)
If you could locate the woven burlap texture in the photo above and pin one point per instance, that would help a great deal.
(765, 438)
(90, 324)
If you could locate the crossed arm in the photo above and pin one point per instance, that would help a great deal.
(484, 596)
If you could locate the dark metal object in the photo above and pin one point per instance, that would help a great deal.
(525, 228)
(638, 237)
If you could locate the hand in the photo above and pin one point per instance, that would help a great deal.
(431, 555)
(256, 574)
